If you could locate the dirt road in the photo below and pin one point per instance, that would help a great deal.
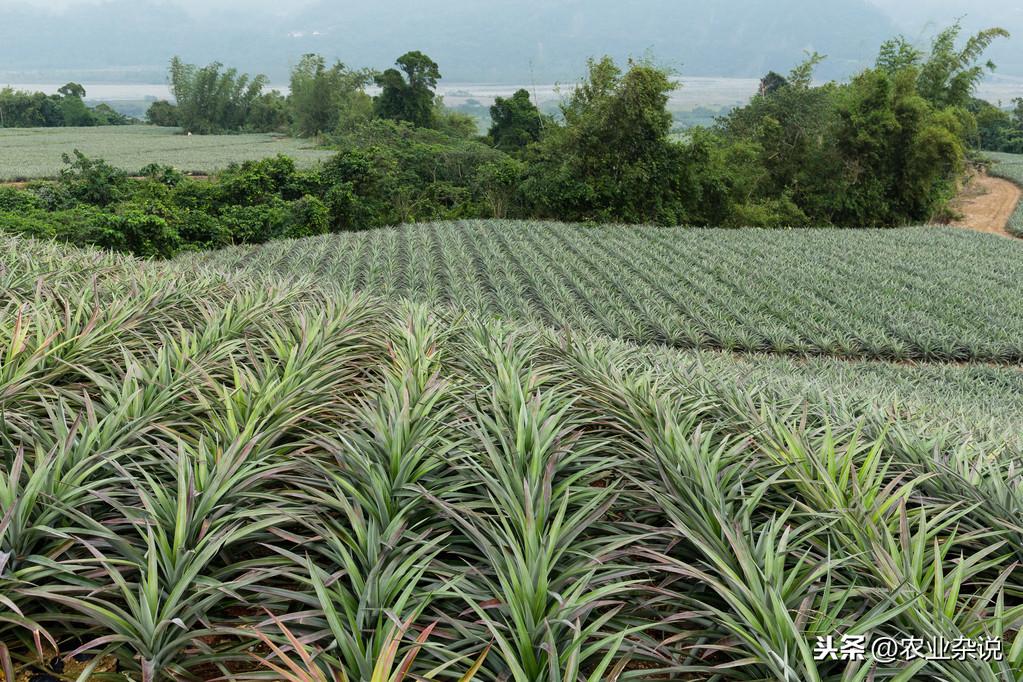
(986, 204)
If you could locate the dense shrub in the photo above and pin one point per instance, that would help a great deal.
(13, 199)
(28, 224)
(92, 181)
(391, 172)
(256, 182)
(136, 231)
(613, 160)
(199, 230)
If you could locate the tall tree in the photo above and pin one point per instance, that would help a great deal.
(516, 122)
(72, 90)
(951, 74)
(613, 159)
(322, 98)
(407, 93)
(211, 99)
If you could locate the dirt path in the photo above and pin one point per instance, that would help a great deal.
(987, 204)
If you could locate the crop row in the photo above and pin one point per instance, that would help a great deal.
(921, 293)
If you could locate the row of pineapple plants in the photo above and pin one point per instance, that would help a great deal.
(206, 477)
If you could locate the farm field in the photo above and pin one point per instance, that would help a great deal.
(1010, 167)
(845, 293)
(29, 153)
(218, 439)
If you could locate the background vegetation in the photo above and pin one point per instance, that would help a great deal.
(66, 108)
(887, 148)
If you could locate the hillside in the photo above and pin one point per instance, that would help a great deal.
(218, 440)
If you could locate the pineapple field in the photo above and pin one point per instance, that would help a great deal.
(1010, 167)
(450, 452)
(875, 294)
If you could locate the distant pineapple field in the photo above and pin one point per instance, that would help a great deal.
(29, 153)
(420, 454)
(1010, 167)
(879, 294)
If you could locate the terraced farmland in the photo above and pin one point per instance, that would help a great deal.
(200, 462)
(921, 293)
(28, 153)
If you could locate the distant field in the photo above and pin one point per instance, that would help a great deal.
(1010, 167)
(29, 153)
(881, 294)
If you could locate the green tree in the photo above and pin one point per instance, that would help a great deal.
(407, 93)
(72, 90)
(613, 159)
(212, 99)
(92, 181)
(995, 128)
(516, 122)
(772, 83)
(105, 115)
(74, 112)
(322, 98)
(950, 74)
(162, 113)
(788, 130)
(898, 54)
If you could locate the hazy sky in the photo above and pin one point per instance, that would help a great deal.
(481, 41)
(194, 6)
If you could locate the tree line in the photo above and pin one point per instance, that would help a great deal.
(886, 148)
(67, 107)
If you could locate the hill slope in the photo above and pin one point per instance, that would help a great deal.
(216, 443)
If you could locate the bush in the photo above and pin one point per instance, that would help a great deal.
(781, 212)
(92, 181)
(200, 231)
(13, 199)
(309, 216)
(256, 224)
(256, 182)
(33, 224)
(133, 230)
(163, 174)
